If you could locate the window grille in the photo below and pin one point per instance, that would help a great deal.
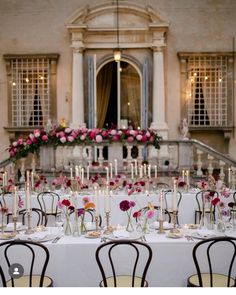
(30, 91)
(207, 81)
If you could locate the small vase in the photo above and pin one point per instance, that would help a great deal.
(220, 224)
(129, 226)
(83, 228)
(67, 226)
(145, 228)
(76, 227)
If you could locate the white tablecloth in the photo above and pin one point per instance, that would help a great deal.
(72, 261)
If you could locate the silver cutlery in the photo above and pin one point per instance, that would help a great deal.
(56, 240)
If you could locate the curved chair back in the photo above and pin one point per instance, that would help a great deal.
(168, 199)
(6, 200)
(162, 185)
(157, 211)
(89, 216)
(30, 255)
(213, 248)
(201, 198)
(38, 216)
(111, 256)
(48, 202)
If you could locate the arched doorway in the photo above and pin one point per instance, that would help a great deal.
(118, 95)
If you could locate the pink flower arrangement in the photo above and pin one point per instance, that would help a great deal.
(60, 135)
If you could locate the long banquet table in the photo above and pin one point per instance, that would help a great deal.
(72, 260)
(187, 207)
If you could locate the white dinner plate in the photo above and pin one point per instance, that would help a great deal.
(124, 235)
(203, 235)
(7, 236)
(174, 235)
(166, 225)
(93, 235)
(38, 239)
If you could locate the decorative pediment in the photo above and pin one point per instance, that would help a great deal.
(96, 26)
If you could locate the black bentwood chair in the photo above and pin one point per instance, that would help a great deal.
(38, 217)
(201, 197)
(156, 213)
(168, 202)
(137, 257)
(48, 202)
(214, 260)
(31, 256)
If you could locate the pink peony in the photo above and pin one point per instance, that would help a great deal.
(14, 143)
(98, 138)
(31, 136)
(115, 138)
(44, 137)
(28, 141)
(63, 139)
(37, 133)
(82, 137)
(68, 130)
(139, 137)
(19, 141)
(70, 138)
(61, 134)
(113, 132)
(130, 139)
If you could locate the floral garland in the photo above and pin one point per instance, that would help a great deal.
(61, 135)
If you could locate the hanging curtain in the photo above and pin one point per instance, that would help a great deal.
(130, 92)
(36, 118)
(103, 93)
(200, 116)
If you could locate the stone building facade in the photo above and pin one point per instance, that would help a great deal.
(179, 56)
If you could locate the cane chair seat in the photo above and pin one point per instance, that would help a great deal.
(24, 281)
(124, 281)
(219, 280)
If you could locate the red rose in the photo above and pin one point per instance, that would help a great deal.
(215, 201)
(66, 202)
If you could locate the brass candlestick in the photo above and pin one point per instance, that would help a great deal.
(174, 229)
(161, 228)
(14, 222)
(29, 230)
(107, 216)
(96, 222)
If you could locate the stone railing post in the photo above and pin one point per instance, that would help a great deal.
(100, 157)
(222, 174)
(199, 163)
(129, 157)
(210, 167)
(22, 169)
(140, 156)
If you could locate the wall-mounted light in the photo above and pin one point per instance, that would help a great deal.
(117, 50)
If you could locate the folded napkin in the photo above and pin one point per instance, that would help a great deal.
(121, 234)
(10, 226)
(156, 224)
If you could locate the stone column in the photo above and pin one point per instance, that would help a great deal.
(158, 103)
(158, 96)
(77, 89)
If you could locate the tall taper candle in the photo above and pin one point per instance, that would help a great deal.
(107, 199)
(155, 171)
(116, 172)
(174, 197)
(88, 172)
(111, 170)
(161, 206)
(28, 205)
(15, 202)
